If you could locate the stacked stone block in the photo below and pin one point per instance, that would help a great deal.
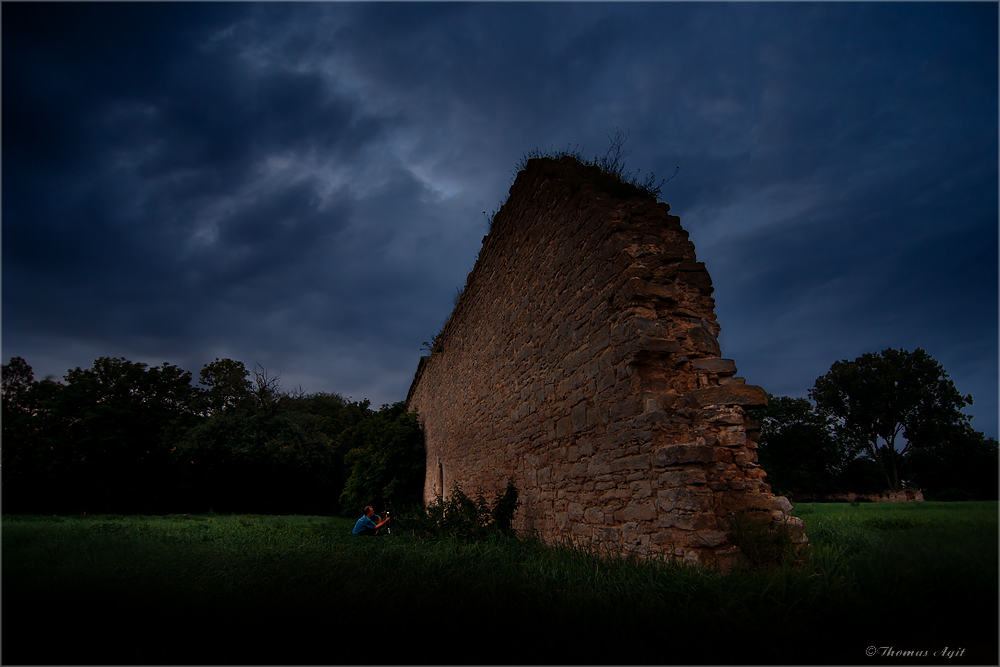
(582, 363)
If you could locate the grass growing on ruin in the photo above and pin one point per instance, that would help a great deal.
(286, 590)
(610, 172)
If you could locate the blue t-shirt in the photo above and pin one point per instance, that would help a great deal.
(363, 523)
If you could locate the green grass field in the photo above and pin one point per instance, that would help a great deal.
(906, 577)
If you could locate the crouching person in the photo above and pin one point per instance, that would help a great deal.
(370, 523)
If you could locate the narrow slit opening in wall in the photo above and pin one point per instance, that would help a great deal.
(440, 483)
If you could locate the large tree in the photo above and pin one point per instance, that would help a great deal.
(891, 402)
(226, 385)
(118, 420)
(17, 380)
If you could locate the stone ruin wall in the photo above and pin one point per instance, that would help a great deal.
(582, 363)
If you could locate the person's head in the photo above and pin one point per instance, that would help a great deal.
(369, 510)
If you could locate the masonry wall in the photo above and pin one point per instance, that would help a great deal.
(582, 363)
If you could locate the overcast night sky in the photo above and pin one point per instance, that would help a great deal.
(302, 185)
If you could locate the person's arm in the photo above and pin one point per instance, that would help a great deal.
(381, 523)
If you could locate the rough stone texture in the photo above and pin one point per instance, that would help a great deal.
(582, 363)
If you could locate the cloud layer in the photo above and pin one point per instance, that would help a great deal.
(303, 185)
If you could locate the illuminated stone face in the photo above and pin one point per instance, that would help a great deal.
(582, 363)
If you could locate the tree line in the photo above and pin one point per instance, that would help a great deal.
(884, 421)
(123, 437)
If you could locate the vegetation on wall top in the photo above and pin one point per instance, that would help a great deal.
(609, 172)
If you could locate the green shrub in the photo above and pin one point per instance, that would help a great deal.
(462, 517)
(504, 509)
(762, 544)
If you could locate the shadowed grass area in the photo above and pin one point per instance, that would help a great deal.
(301, 590)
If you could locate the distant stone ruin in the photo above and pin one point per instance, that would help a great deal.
(582, 363)
(889, 496)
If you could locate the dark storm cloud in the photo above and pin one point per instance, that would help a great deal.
(86, 53)
(157, 157)
(302, 185)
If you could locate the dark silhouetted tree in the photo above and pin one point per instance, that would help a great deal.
(258, 461)
(30, 436)
(889, 403)
(121, 419)
(264, 450)
(956, 462)
(100, 441)
(798, 447)
(226, 383)
(17, 380)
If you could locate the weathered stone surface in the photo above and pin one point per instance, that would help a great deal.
(686, 477)
(782, 503)
(715, 365)
(725, 415)
(683, 453)
(582, 363)
(683, 499)
(712, 538)
(747, 396)
(705, 342)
